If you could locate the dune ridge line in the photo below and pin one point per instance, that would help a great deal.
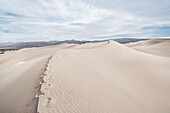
(40, 92)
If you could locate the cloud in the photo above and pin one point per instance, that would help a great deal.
(157, 27)
(28, 20)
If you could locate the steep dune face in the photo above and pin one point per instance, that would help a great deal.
(20, 77)
(155, 46)
(19, 85)
(106, 78)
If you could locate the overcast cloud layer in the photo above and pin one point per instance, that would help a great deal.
(33, 20)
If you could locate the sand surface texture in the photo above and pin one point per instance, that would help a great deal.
(155, 46)
(20, 77)
(105, 77)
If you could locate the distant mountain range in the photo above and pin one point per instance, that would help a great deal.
(20, 45)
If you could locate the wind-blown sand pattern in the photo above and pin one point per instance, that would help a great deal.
(20, 77)
(105, 77)
(155, 46)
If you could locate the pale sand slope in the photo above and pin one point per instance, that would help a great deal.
(106, 78)
(23, 55)
(159, 47)
(19, 85)
(20, 73)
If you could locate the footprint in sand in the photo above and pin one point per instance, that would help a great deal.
(39, 94)
(43, 81)
(48, 101)
(36, 87)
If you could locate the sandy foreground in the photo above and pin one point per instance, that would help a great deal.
(105, 77)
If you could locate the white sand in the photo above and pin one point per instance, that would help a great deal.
(13, 57)
(155, 46)
(20, 73)
(19, 84)
(87, 78)
(109, 78)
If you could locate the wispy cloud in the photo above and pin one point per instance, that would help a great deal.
(25, 20)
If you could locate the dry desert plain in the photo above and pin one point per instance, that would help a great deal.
(105, 77)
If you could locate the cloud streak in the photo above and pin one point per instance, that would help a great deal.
(29, 20)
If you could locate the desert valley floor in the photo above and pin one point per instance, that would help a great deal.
(105, 77)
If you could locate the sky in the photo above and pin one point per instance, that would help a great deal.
(43, 20)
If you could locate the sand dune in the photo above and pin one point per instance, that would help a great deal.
(110, 78)
(20, 75)
(155, 46)
(19, 84)
(27, 54)
(105, 77)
